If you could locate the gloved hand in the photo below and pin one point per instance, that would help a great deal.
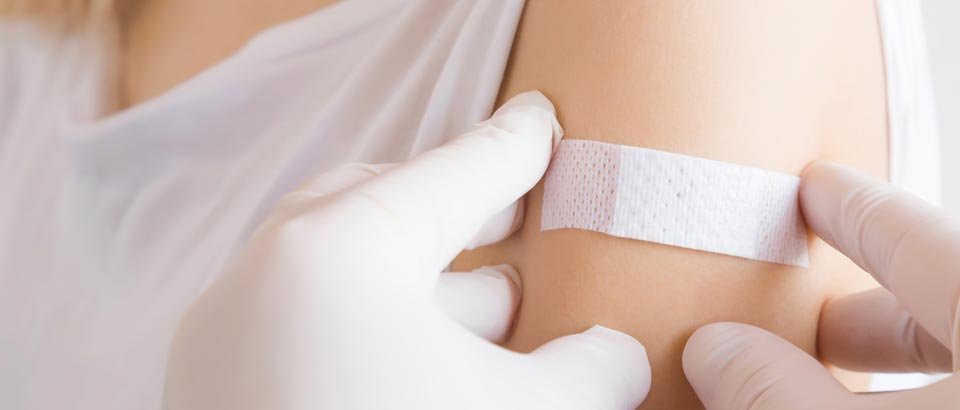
(332, 305)
(911, 248)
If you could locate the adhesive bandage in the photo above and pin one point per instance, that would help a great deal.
(674, 199)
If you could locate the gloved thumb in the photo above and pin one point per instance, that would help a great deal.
(736, 366)
(599, 369)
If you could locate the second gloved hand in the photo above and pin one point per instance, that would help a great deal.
(911, 248)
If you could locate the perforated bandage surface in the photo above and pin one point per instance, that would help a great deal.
(674, 199)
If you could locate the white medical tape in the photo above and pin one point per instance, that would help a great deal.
(674, 199)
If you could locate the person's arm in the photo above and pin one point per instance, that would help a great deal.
(772, 84)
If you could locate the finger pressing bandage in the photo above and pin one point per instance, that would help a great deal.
(674, 199)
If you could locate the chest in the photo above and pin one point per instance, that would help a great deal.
(164, 43)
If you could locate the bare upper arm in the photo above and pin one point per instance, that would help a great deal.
(772, 84)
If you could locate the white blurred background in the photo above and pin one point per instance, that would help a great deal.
(943, 45)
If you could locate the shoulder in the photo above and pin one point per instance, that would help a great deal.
(770, 84)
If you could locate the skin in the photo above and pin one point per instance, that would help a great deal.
(768, 84)
(772, 84)
(166, 42)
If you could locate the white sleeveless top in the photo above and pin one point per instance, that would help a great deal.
(110, 227)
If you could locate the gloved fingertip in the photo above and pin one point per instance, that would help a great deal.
(707, 352)
(518, 215)
(557, 133)
(608, 368)
(822, 165)
(528, 98)
(534, 99)
(628, 358)
(822, 190)
(510, 273)
(633, 352)
(816, 179)
(606, 332)
(823, 177)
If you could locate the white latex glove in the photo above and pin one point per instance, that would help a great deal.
(911, 248)
(332, 304)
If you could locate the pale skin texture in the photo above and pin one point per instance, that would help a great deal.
(772, 84)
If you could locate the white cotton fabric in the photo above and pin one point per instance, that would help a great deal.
(110, 226)
(673, 199)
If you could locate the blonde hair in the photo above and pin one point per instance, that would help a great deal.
(61, 13)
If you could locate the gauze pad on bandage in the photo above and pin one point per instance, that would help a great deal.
(674, 199)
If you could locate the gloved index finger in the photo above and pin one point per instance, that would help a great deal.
(436, 203)
(909, 246)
